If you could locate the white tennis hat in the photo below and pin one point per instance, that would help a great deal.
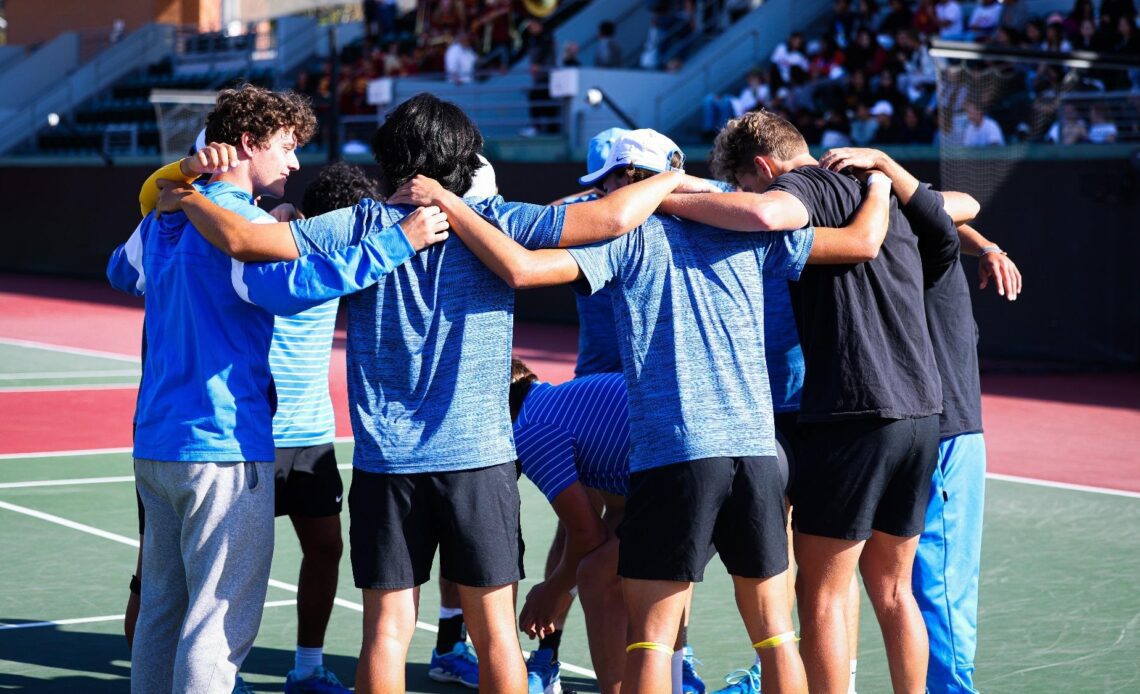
(483, 184)
(646, 149)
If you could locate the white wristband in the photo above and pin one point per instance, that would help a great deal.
(877, 178)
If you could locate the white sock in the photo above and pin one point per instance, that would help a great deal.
(678, 659)
(449, 612)
(851, 684)
(307, 660)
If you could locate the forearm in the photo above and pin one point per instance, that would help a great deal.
(972, 240)
(903, 184)
(618, 212)
(285, 288)
(737, 211)
(235, 235)
(862, 238)
(148, 195)
(519, 267)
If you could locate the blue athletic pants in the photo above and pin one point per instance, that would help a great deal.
(946, 567)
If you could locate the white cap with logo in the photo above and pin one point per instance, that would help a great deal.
(645, 149)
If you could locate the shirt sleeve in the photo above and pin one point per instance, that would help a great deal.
(787, 253)
(600, 262)
(287, 288)
(547, 456)
(125, 268)
(938, 243)
(533, 226)
(802, 188)
(337, 229)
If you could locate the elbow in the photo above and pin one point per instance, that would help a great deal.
(972, 208)
(521, 278)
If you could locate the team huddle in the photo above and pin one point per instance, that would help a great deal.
(792, 342)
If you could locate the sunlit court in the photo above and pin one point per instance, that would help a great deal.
(442, 346)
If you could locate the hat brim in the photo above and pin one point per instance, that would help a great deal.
(600, 175)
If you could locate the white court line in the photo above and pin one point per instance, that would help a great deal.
(66, 483)
(59, 388)
(64, 454)
(70, 350)
(121, 539)
(1063, 485)
(105, 618)
(101, 451)
(48, 375)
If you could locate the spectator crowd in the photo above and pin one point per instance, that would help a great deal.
(869, 79)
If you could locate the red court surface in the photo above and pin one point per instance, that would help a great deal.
(1074, 428)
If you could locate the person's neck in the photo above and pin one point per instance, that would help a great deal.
(805, 159)
(239, 178)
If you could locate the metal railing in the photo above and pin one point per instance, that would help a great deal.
(143, 47)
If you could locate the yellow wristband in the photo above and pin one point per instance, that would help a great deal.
(649, 646)
(777, 640)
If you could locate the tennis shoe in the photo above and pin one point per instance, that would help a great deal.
(542, 673)
(322, 681)
(742, 681)
(460, 665)
(691, 682)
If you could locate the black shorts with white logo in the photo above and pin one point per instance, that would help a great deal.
(307, 482)
(397, 521)
(677, 516)
(858, 475)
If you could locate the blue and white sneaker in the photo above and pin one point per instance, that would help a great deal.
(691, 682)
(742, 681)
(240, 687)
(542, 673)
(322, 681)
(460, 665)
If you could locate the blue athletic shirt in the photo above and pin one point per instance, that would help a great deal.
(782, 348)
(575, 432)
(299, 360)
(206, 392)
(429, 346)
(690, 319)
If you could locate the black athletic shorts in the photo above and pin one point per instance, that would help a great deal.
(678, 515)
(858, 475)
(397, 521)
(307, 482)
(142, 512)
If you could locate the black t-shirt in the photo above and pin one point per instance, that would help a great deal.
(949, 313)
(866, 347)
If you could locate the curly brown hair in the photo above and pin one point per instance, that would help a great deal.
(756, 133)
(261, 113)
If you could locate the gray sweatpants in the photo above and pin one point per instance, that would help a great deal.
(207, 550)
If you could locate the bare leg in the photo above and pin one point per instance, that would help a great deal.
(599, 589)
(763, 605)
(852, 618)
(654, 609)
(490, 617)
(389, 622)
(448, 594)
(321, 548)
(826, 566)
(886, 566)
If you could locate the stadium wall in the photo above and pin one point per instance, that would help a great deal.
(1071, 225)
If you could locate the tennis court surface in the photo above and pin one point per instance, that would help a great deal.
(1060, 593)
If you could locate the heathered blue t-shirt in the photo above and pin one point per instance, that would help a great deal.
(429, 346)
(690, 319)
(782, 346)
(575, 432)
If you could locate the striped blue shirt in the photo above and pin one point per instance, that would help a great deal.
(299, 361)
(575, 432)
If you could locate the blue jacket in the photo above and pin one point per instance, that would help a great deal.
(207, 393)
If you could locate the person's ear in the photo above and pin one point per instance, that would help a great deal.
(247, 146)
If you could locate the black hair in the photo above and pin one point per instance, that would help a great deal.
(425, 135)
(522, 378)
(338, 185)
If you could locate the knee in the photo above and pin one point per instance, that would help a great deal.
(325, 548)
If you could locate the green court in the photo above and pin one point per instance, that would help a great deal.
(1060, 605)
